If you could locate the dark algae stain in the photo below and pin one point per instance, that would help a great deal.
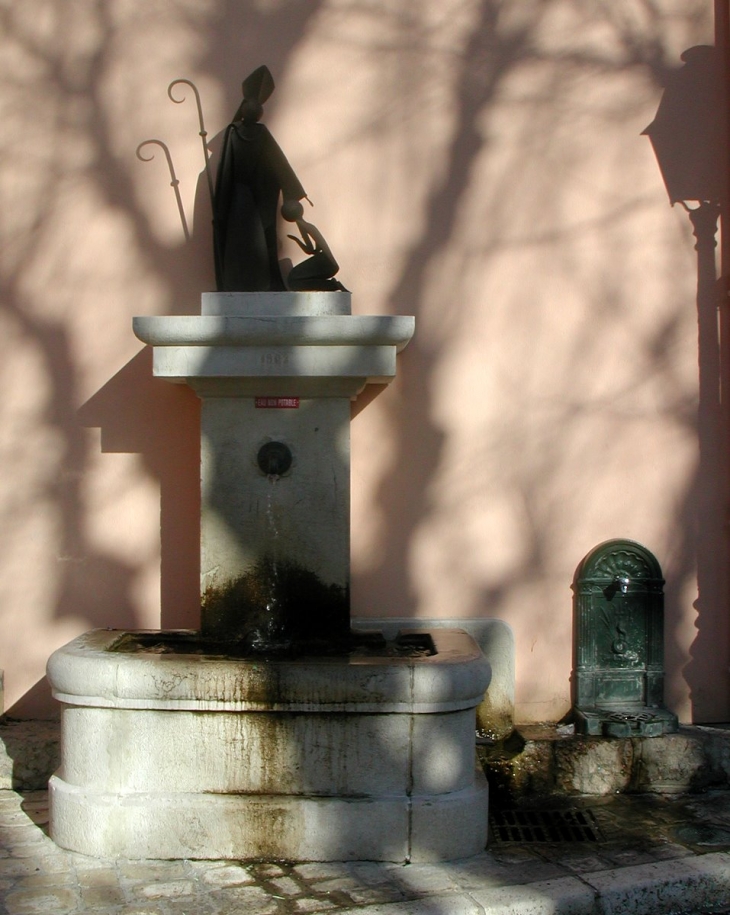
(276, 606)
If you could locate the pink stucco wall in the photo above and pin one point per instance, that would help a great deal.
(476, 163)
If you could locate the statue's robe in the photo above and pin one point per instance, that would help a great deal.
(252, 173)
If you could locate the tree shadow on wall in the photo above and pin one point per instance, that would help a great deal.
(142, 415)
(498, 46)
(494, 50)
(67, 81)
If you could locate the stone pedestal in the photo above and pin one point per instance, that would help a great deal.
(276, 373)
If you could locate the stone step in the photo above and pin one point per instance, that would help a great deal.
(540, 761)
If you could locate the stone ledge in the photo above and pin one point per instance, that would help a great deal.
(495, 714)
(540, 761)
(30, 752)
(89, 672)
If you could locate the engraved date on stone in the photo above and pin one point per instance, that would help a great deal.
(274, 360)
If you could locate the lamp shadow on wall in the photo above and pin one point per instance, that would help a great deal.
(689, 139)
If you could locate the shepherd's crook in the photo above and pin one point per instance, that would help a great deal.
(174, 183)
(203, 132)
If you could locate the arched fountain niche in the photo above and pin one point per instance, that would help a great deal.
(618, 623)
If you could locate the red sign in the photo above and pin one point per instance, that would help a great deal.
(277, 403)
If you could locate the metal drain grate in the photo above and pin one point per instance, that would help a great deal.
(544, 826)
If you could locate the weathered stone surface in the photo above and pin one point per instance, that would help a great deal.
(665, 887)
(567, 895)
(628, 874)
(544, 760)
(495, 713)
(277, 304)
(587, 766)
(675, 763)
(275, 482)
(717, 742)
(518, 768)
(254, 345)
(257, 532)
(178, 755)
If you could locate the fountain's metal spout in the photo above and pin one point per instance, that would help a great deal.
(274, 459)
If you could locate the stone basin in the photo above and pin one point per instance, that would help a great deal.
(175, 754)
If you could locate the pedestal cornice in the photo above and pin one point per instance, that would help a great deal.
(249, 355)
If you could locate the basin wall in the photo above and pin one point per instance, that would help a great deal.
(329, 754)
(336, 758)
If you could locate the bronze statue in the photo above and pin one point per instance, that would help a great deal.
(317, 271)
(252, 174)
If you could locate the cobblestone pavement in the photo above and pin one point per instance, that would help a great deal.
(645, 842)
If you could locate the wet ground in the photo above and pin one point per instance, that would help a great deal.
(641, 855)
(643, 824)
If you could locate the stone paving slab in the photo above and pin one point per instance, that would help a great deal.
(638, 868)
(664, 886)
